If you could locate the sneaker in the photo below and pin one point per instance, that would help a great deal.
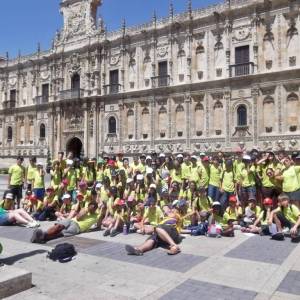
(295, 239)
(279, 236)
(286, 231)
(113, 233)
(106, 232)
(133, 251)
(32, 225)
(37, 237)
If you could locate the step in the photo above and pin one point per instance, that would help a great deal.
(13, 281)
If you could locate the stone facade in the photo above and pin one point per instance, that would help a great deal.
(212, 79)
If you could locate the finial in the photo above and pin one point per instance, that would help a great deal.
(171, 10)
(154, 18)
(190, 7)
(123, 26)
(38, 47)
(19, 53)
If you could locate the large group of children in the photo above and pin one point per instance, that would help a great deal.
(159, 195)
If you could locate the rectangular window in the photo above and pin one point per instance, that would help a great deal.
(45, 92)
(13, 95)
(163, 73)
(114, 81)
(242, 59)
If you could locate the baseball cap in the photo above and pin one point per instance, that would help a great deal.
(194, 157)
(205, 158)
(202, 154)
(152, 186)
(232, 198)
(9, 196)
(129, 180)
(148, 157)
(139, 177)
(216, 203)
(162, 155)
(66, 196)
(179, 156)
(247, 157)
(98, 185)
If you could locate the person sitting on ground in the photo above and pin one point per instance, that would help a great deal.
(234, 210)
(65, 209)
(18, 216)
(287, 215)
(120, 218)
(261, 223)
(81, 223)
(252, 212)
(152, 217)
(8, 201)
(166, 234)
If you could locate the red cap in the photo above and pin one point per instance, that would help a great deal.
(111, 163)
(268, 201)
(33, 198)
(232, 198)
(79, 195)
(205, 158)
(119, 202)
(65, 181)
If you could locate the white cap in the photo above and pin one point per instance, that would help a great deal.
(98, 185)
(69, 162)
(139, 177)
(39, 163)
(129, 180)
(66, 196)
(165, 174)
(152, 185)
(246, 157)
(148, 157)
(194, 157)
(216, 203)
(202, 154)
(179, 156)
(149, 171)
(161, 155)
(9, 196)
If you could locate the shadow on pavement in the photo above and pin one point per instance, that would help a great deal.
(13, 259)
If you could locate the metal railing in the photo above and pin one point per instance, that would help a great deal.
(9, 104)
(71, 94)
(160, 81)
(41, 99)
(113, 88)
(241, 69)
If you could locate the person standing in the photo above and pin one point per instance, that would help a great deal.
(16, 178)
(30, 172)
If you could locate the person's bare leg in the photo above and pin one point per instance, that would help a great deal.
(18, 218)
(25, 215)
(278, 223)
(146, 246)
(149, 229)
(165, 237)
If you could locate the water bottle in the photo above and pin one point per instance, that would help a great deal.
(125, 231)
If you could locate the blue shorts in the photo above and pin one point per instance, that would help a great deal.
(39, 193)
(4, 220)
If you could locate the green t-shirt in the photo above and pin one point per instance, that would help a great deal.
(87, 222)
(204, 176)
(17, 174)
(203, 203)
(265, 179)
(215, 176)
(291, 212)
(30, 172)
(248, 177)
(238, 166)
(56, 177)
(223, 221)
(154, 215)
(228, 181)
(72, 178)
(186, 170)
(290, 179)
(38, 180)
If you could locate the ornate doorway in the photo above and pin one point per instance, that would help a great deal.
(75, 146)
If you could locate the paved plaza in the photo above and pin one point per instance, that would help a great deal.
(243, 267)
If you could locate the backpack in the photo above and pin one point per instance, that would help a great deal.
(214, 230)
(201, 229)
(62, 252)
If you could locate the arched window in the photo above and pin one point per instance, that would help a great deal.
(242, 115)
(42, 131)
(112, 125)
(75, 84)
(9, 133)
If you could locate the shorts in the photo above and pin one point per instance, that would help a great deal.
(16, 190)
(39, 193)
(71, 227)
(294, 196)
(173, 233)
(4, 220)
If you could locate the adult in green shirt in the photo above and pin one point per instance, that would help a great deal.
(39, 182)
(83, 222)
(30, 172)
(16, 178)
(214, 179)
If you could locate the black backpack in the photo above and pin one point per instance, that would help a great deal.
(62, 252)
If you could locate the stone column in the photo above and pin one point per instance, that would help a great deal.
(255, 94)
(227, 97)
(50, 134)
(152, 116)
(188, 101)
(102, 125)
(58, 129)
(136, 121)
(96, 131)
(85, 129)
(121, 125)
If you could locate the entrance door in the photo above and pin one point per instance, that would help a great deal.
(75, 146)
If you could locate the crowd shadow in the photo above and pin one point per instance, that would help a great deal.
(13, 259)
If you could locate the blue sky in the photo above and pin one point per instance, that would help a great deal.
(24, 23)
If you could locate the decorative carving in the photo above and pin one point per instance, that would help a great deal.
(114, 59)
(267, 146)
(162, 51)
(269, 64)
(280, 145)
(75, 63)
(293, 144)
(292, 61)
(242, 33)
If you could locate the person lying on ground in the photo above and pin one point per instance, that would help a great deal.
(17, 217)
(81, 223)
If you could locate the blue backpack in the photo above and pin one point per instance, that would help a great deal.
(201, 229)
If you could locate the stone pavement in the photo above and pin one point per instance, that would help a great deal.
(243, 267)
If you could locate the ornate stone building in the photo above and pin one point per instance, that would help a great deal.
(204, 80)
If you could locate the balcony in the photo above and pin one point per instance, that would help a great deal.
(160, 81)
(113, 88)
(71, 94)
(41, 99)
(9, 104)
(241, 69)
